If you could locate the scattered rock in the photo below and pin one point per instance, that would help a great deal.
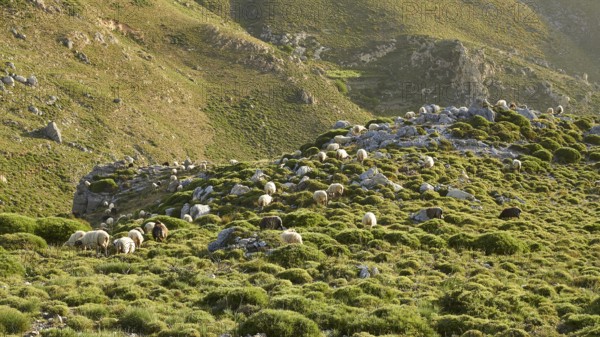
(341, 125)
(307, 98)
(51, 131)
(9, 81)
(239, 189)
(18, 34)
(32, 81)
(199, 210)
(82, 57)
(20, 79)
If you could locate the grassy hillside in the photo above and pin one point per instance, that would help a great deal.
(189, 85)
(548, 39)
(468, 274)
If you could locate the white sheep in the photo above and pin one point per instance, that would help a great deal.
(188, 218)
(179, 188)
(335, 190)
(270, 188)
(173, 178)
(124, 245)
(149, 227)
(342, 139)
(203, 166)
(361, 155)
(422, 110)
(369, 220)
(74, 237)
(142, 214)
(95, 239)
(410, 115)
(428, 162)
(516, 165)
(333, 147)
(358, 129)
(320, 197)
(550, 111)
(501, 103)
(559, 110)
(290, 236)
(174, 171)
(264, 201)
(110, 221)
(233, 162)
(322, 156)
(341, 154)
(373, 127)
(136, 236)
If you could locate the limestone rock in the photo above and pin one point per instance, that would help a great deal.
(51, 131)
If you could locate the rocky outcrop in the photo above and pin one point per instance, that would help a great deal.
(51, 131)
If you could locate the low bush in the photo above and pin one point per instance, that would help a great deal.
(24, 241)
(280, 323)
(57, 230)
(567, 155)
(15, 223)
(12, 321)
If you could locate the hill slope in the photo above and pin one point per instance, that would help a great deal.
(188, 85)
(536, 275)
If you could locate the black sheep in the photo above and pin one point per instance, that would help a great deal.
(512, 212)
(435, 213)
(271, 222)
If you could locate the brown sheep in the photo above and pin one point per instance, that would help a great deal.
(160, 232)
(271, 222)
(512, 212)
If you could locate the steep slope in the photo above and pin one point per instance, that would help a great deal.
(155, 80)
(466, 272)
(406, 51)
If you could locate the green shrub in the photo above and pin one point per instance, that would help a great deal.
(24, 241)
(58, 230)
(595, 156)
(295, 275)
(499, 243)
(592, 139)
(403, 320)
(12, 321)
(295, 256)
(461, 241)
(104, 186)
(403, 238)
(544, 155)
(137, 320)
(80, 323)
(208, 219)
(304, 218)
(10, 265)
(550, 144)
(567, 155)
(15, 223)
(93, 311)
(354, 236)
(56, 332)
(170, 222)
(280, 323)
(221, 299)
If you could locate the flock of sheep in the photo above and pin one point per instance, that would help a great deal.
(100, 239)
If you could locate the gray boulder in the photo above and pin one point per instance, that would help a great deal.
(20, 79)
(199, 210)
(32, 81)
(526, 113)
(595, 130)
(222, 237)
(51, 131)
(9, 81)
(407, 131)
(341, 124)
(239, 189)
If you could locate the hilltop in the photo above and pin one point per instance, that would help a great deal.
(466, 274)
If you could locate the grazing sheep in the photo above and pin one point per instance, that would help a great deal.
(435, 213)
(422, 110)
(173, 178)
(559, 110)
(333, 147)
(322, 156)
(124, 245)
(341, 154)
(137, 237)
(410, 115)
(142, 214)
(373, 127)
(188, 218)
(110, 221)
(74, 237)
(271, 222)
(358, 129)
(270, 188)
(160, 232)
(516, 165)
(149, 227)
(342, 139)
(369, 220)
(501, 103)
(203, 166)
(335, 190)
(361, 155)
(428, 162)
(290, 236)
(139, 229)
(174, 171)
(94, 239)
(512, 212)
(512, 106)
(264, 201)
(320, 197)
(550, 111)
(233, 162)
